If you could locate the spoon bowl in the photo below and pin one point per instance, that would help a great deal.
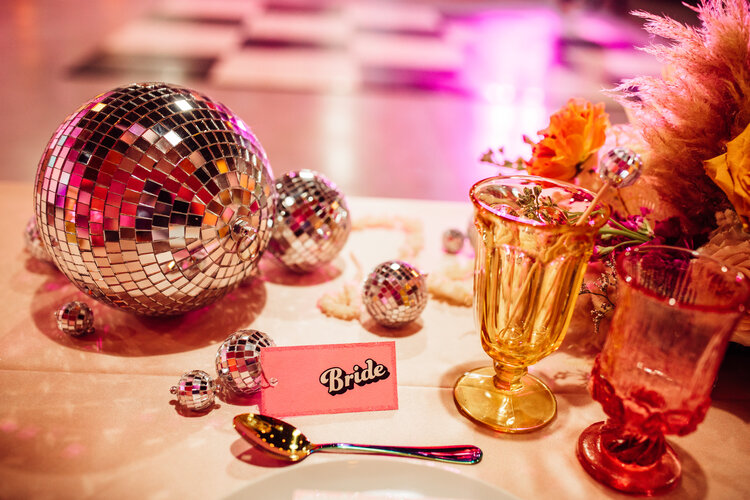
(284, 441)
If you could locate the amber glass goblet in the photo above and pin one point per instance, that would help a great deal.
(530, 260)
(675, 313)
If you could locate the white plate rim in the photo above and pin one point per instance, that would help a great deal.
(403, 478)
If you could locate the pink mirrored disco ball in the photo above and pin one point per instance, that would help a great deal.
(312, 221)
(154, 198)
(395, 293)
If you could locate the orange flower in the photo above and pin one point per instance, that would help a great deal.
(575, 133)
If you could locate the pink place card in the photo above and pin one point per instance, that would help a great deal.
(331, 378)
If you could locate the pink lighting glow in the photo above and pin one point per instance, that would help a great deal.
(510, 79)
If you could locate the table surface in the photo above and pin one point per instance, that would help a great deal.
(94, 417)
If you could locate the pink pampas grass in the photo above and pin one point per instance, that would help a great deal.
(701, 102)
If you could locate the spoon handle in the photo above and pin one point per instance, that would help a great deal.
(461, 454)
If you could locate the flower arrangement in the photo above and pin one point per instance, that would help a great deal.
(692, 127)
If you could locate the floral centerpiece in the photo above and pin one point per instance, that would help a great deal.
(692, 127)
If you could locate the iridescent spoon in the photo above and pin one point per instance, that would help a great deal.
(283, 440)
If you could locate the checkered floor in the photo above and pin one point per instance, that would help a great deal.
(336, 47)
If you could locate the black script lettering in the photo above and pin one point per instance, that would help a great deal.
(338, 382)
(332, 378)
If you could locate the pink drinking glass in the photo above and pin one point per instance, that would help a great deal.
(675, 313)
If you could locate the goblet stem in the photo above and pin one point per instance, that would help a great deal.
(508, 378)
(628, 461)
(632, 448)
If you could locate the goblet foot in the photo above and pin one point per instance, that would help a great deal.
(657, 477)
(523, 410)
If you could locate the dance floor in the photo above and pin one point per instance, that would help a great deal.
(393, 99)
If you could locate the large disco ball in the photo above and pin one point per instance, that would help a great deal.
(154, 198)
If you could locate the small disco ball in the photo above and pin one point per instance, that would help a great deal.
(154, 198)
(33, 242)
(312, 221)
(195, 391)
(453, 241)
(395, 293)
(75, 318)
(238, 360)
(620, 167)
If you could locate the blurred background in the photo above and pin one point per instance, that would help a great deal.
(386, 98)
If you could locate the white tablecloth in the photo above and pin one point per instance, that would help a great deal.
(93, 417)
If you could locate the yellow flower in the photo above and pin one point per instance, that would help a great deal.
(731, 172)
(575, 133)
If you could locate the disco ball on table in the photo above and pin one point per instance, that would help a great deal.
(155, 199)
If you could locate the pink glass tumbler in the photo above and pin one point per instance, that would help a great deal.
(675, 313)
